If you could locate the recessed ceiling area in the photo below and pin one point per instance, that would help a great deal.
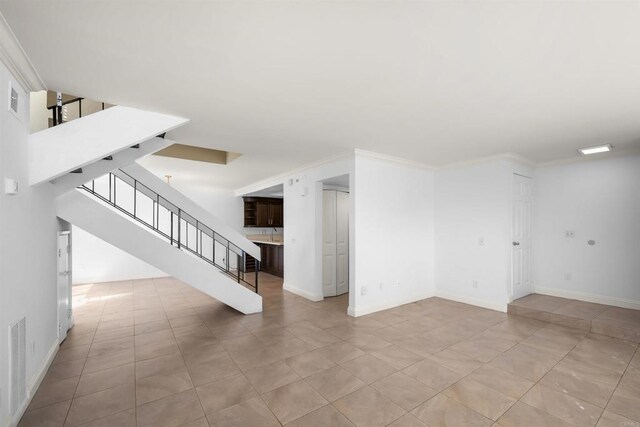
(288, 83)
(199, 154)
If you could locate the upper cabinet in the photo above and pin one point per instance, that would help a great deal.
(263, 212)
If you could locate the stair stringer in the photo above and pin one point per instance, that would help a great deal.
(69, 182)
(114, 228)
(56, 151)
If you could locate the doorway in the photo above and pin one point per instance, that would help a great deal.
(64, 284)
(335, 243)
(521, 254)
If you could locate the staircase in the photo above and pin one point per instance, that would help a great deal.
(99, 187)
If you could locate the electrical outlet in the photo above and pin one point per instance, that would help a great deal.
(397, 283)
(33, 347)
(363, 290)
(475, 284)
(569, 234)
(567, 276)
(380, 285)
(481, 241)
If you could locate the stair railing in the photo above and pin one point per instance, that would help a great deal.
(134, 199)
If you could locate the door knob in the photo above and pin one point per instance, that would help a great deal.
(516, 243)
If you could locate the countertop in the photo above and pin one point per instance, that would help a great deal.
(267, 242)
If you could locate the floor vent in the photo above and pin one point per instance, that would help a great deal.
(18, 366)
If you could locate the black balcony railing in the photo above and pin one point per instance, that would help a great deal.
(136, 200)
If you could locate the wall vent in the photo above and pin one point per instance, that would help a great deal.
(13, 102)
(18, 366)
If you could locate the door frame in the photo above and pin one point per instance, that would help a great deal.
(511, 235)
(59, 289)
(336, 190)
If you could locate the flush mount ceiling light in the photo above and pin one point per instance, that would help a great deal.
(595, 150)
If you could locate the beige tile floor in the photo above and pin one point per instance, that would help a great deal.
(602, 319)
(159, 353)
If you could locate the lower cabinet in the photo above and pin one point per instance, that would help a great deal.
(272, 259)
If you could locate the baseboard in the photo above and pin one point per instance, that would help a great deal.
(363, 311)
(491, 305)
(304, 294)
(587, 297)
(36, 380)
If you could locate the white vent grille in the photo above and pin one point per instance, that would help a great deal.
(13, 102)
(18, 365)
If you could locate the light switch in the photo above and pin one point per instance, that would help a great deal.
(10, 186)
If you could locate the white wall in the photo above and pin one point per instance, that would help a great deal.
(96, 261)
(303, 228)
(598, 200)
(39, 115)
(394, 234)
(28, 229)
(474, 202)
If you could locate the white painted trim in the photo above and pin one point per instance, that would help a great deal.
(304, 294)
(280, 178)
(587, 297)
(16, 60)
(36, 380)
(592, 158)
(503, 156)
(362, 311)
(491, 305)
(392, 159)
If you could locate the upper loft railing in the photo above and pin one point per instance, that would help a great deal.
(65, 108)
(134, 199)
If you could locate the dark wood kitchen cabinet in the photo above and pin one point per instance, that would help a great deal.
(272, 259)
(263, 212)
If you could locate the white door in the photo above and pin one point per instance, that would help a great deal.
(521, 236)
(342, 243)
(64, 285)
(329, 246)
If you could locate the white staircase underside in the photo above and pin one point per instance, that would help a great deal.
(192, 208)
(98, 219)
(58, 150)
(95, 170)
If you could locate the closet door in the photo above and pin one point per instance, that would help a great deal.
(329, 244)
(342, 243)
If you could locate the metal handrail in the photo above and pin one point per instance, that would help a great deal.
(170, 229)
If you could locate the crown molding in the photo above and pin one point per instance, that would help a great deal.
(632, 151)
(504, 156)
(393, 159)
(282, 177)
(16, 60)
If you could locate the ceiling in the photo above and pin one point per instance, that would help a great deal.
(287, 83)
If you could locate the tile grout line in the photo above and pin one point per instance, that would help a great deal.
(73, 398)
(618, 384)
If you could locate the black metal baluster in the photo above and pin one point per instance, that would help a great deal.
(179, 226)
(135, 194)
(257, 270)
(171, 238)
